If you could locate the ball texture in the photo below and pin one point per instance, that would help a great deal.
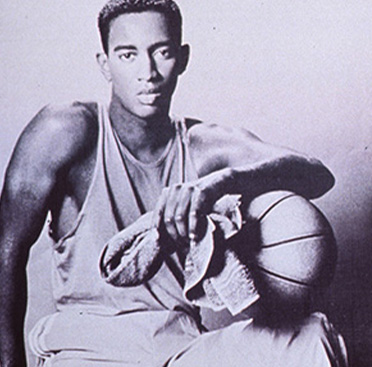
(296, 252)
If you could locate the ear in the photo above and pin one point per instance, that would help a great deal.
(103, 65)
(183, 58)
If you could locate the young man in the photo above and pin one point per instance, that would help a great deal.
(96, 171)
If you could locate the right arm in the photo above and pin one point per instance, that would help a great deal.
(45, 149)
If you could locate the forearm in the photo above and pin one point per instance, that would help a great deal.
(306, 177)
(13, 291)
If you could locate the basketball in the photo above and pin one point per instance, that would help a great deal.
(296, 250)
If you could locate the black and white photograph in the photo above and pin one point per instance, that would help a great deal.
(186, 183)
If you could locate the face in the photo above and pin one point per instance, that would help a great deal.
(143, 63)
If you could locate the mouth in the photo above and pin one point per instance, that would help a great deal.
(149, 96)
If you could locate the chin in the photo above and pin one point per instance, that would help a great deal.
(149, 112)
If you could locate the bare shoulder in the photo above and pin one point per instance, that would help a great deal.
(211, 131)
(73, 122)
(216, 146)
(56, 137)
(59, 131)
(207, 137)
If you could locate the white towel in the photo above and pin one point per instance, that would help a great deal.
(134, 254)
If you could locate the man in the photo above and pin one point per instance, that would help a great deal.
(96, 171)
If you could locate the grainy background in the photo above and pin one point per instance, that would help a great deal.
(296, 73)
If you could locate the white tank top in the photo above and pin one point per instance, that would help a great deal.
(121, 190)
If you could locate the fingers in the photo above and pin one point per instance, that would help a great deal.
(170, 211)
(200, 206)
(182, 210)
(181, 216)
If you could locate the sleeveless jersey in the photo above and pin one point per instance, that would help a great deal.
(121, 190)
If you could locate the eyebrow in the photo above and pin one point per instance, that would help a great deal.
(151, 48)
(161, 44)
(124, 47)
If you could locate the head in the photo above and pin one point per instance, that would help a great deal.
(143, 55)
(115, 8)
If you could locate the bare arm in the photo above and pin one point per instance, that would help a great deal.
(23, 208)
(44, 150)
(256, 166)
(234, 161)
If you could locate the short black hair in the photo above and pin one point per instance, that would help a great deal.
(114, 8)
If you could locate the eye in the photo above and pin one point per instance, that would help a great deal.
(127, 56)
(164, 53)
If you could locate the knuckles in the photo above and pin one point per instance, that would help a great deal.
(182, 206)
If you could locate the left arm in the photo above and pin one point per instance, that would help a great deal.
(256, 165)
(234, 161)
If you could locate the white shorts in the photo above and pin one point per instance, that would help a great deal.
(172, 339)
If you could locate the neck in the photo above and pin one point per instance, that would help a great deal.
(144, 138)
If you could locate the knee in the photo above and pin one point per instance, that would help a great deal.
(317, 327)
(320, 338)
(312, 342)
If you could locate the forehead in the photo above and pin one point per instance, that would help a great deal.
(139, 29)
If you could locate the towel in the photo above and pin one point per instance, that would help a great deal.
(214, 275)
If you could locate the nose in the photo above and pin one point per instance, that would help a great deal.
(147, 69)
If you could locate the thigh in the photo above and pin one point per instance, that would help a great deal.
(82, 359)
(315, 343)
(148, 339)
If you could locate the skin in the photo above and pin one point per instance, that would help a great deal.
(143, 65)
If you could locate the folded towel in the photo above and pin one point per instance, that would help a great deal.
(214, 275)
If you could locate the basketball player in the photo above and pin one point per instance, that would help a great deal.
(96, 170)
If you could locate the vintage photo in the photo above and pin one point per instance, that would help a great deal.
(186, 183)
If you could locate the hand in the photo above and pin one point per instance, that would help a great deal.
(182, 208)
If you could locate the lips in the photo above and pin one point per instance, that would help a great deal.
(149, 96)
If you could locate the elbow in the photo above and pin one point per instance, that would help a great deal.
(322, 180)
(316, 181)
(306, 177)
